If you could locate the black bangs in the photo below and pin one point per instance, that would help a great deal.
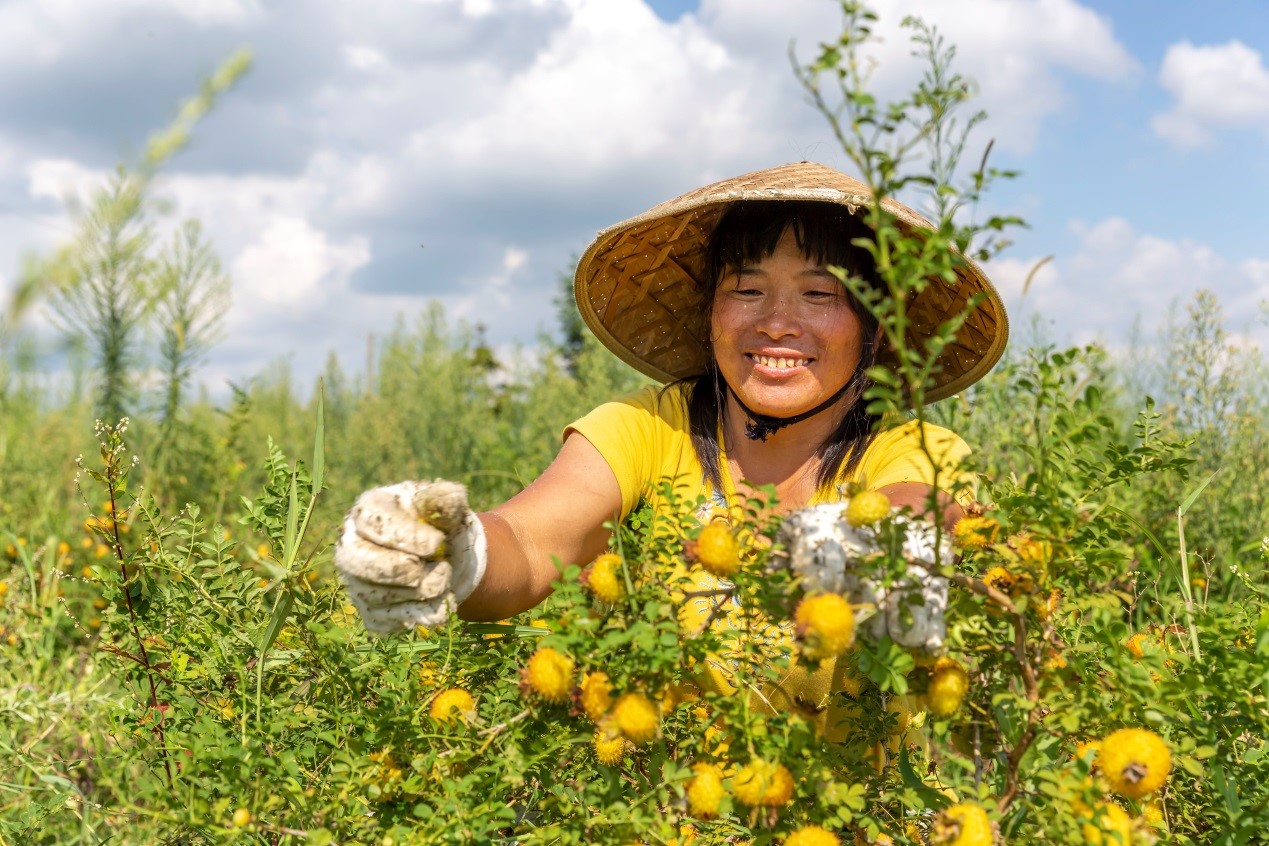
(749, 231)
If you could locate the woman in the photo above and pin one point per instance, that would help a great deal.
(725, 294)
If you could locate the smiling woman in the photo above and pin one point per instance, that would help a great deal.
(729, 294)
(750, 299)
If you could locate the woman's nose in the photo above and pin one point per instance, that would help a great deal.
(778, 319)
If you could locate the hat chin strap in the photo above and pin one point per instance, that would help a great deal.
(759, 426)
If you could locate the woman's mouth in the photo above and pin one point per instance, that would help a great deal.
(778, 362)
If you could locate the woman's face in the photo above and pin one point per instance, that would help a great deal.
(784, 333)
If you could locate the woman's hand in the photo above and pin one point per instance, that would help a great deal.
(830, 555)
(409, 553)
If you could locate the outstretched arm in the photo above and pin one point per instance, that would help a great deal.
(560, 516)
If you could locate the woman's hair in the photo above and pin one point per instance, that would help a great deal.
(747, 233)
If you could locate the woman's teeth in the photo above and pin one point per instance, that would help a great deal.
(780, 363)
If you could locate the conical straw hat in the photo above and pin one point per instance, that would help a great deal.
(640, 285)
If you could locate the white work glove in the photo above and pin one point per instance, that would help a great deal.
(828, 554)
(409, 553)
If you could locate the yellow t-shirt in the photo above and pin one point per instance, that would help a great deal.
(645, 439)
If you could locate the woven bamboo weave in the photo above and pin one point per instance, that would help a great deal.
(641, 285)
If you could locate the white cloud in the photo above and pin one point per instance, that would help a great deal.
(1017, 51)
(61, 179)
(294, 266)
(44, 31)
(494, 290)
(361, 57)
(1213, 87)
(1119, 275)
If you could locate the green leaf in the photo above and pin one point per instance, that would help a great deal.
(1189, 500)
(319, 439)
(281, 610)
(931, 797)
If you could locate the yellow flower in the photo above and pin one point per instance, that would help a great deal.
(1133, 645)
(705, 791)
(948, 685)
(605, 580)
(242, 818)
(866, 508)
(1107, 824)
(763, 784)
(452, 704)
(1032, 551)
(999, 578)
(596, 695)
(962, 825)
(825, 625)
(1136, 762)
(812, 835)
(636, 717)
(549, 674)
(975, 532)
(610, 747)
(717, 550)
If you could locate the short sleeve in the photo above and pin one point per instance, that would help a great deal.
(917, 452)
(628, 434)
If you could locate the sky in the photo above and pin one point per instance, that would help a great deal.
(384, 154)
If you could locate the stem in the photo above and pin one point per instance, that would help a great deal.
(1186, 593)
(1012, 785)
(132, 619)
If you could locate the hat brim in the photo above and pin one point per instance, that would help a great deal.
(640, 286)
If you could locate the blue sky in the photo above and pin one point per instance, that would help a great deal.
(501, 134)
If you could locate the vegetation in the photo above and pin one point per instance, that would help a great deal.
(179, 665)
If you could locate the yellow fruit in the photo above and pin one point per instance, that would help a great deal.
(1133, 645)
(452, 704)
(605, 578)
(636, 717)
(812, 835)
(866, 508)
(825, 625)
(705, 791)
(962, 825)
(948, 686)
(717, 550)
(549, 674)
(1107, 825)
(975, 532)
(999, 578)
(1031, 550)
(763, 784)
(1136, 762)
(1085, 747)
(610, 747)
(241, 818)
(596, 695)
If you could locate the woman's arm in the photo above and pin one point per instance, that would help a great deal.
(560, 515)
